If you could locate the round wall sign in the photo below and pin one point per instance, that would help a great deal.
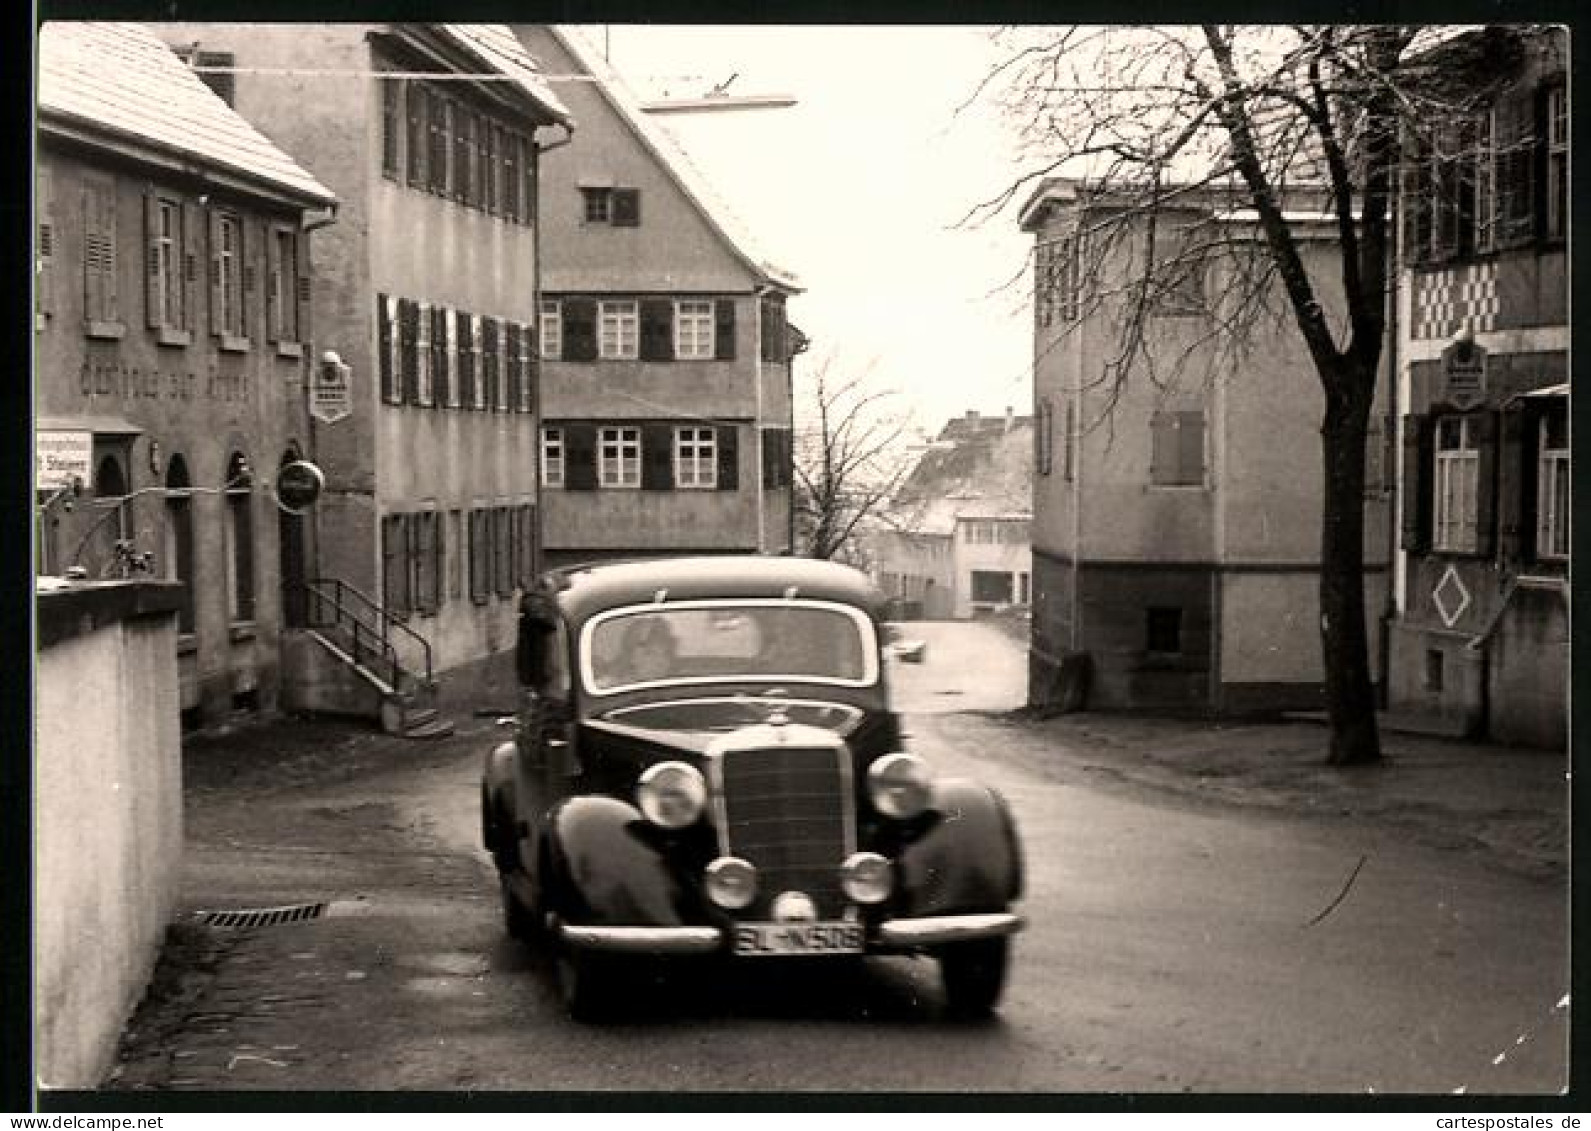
(298, 486)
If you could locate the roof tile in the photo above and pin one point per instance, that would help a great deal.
(122, 77)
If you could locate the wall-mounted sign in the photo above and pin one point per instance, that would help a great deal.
(1464, 374)
(298, 485)
(61, 457)
(330, 393)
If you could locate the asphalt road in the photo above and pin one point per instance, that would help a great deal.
(1169, 949)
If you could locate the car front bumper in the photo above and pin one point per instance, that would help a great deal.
(890, 935)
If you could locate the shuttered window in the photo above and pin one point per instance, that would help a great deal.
(1177, 457)
(693, 330)
(551, 320)
(1456, 484)
(695, 457)
(552, 457)
(619, 457)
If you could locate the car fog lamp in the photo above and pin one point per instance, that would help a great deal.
(899, 785)
(672, 794)
(866, 877)
(731, 882)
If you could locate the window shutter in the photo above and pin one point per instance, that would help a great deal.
(191, 265)
(657, 457)
(1512, 472)
(1190, 447)
(579, 329)
(466, 358)
(1483, 427)
(657, 329)
(626, 208)
(408, 334)
(441, 357)
(384, 348)
(276, 287)
(528, 370)
(151, 260)
(93, 272)
(724, 329)
(515, 369)
(491, 374)
(1162, 448)
(480, 550)
(394, 564)
(214, 223)
(303, 290)
(1415, 526)
(727, 440)
(44, 207)
(580, 457)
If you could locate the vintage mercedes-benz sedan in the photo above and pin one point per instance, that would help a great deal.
(705, 762)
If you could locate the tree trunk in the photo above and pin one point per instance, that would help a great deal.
(1345, 649)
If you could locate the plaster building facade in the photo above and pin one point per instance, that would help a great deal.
(1480, 644)
(172, 328)
(665, 352)
(957, 542)
(425, 292)
(1176, 533)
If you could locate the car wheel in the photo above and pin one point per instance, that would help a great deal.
(974, 975)
(586, 983)
(518, 920)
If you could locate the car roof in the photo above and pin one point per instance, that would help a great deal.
(583, 591)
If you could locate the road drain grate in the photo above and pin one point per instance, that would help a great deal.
(263, 916)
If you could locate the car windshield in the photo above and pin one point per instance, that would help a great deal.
(710, 641)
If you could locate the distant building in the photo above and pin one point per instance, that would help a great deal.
(430, 135)
(955, 543)
(665, 352)
(172, 337)
(1176, 532)
(1480, 643)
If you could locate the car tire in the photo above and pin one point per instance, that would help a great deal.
(973, 974)
(518, 920)
(586, 984)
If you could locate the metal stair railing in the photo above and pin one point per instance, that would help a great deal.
(332, 603)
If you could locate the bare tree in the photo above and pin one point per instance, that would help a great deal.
(1186, 146)
(849, 460)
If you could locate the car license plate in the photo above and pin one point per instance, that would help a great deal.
(798, 938)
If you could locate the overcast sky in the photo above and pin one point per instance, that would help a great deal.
(858, 190)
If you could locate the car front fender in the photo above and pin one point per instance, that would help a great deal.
(601, 870)
(968, 860)
(497, 794)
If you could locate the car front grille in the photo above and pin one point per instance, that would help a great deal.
(788, 810)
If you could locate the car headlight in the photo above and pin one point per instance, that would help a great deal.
(866, 877)
(731, 882)
(900, 785)
(671, 794)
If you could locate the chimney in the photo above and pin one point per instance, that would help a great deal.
(972, 414)
(1009, 418)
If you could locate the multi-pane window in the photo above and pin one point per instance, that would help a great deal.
(1177, 449)
(165, 265)
(227, 282)
(598, 204)
(417, 103)
(455, 378)
(1483, 166)
(1056, 281)
(619, 457)
(281, 306)
(693, 330)
(1552, 488)
(422, 354)
(1456, 484)
(620, 207)
(618, 330)
(551, 331)
(1557, 161)
(695, 457)
(552, 457)
(478, 357)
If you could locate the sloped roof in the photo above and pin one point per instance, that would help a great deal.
(120, 78)
(979, 466)
(497, 46)
(671, 154)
